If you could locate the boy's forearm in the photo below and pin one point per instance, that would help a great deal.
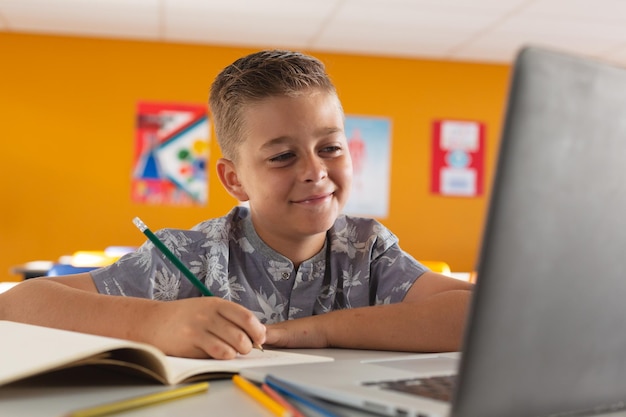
(198, 327)
(435, 324)
(52, 304)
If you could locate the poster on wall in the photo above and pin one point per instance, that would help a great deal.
(457, 158)
(369, 144)
(171, 154)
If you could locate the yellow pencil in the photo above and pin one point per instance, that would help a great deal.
(265, 400)
(123, 405)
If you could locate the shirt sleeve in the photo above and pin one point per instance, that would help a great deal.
(392, 273)
(369, 265)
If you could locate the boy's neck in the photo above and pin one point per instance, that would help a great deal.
(297, 251)
(307, 251)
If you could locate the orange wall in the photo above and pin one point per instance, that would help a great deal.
(66, 140)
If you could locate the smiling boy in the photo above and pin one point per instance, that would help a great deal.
(290, 270)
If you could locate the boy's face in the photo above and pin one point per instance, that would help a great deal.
(294, 166)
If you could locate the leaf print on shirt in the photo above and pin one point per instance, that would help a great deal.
(318, 273)
(390, 261)
(216, 248)
(230, 289)
(271, 310)
(216, 229)
(199, 268)
(403, 288)
(216, 237)
(346, 241)
(350, 280)
(142, 258)
(326, 297)
(386, 300)
(165, 286)
(215, 271)
(293, 311)
(245, 245)
(175, 241)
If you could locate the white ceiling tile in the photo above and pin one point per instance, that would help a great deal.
(313, 7)
(284, 22)
(405, 29)
(563, 27)
(96, 17)
(582, 36)
(596, 10)
(498, 6)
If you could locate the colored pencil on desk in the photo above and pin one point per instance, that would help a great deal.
(262, 398)
(177, 262)
(281, 400)
(141, 401)
(300, 396)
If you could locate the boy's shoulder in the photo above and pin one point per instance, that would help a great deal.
(360, 229)
(225, 224)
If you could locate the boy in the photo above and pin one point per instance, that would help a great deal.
(290, 271)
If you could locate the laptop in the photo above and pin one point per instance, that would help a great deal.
(546, 334)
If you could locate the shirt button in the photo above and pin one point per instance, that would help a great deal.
(286, 275)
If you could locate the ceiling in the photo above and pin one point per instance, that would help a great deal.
(463, 30)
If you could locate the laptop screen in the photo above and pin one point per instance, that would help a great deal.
(547, 332)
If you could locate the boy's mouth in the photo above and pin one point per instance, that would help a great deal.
(313, 199)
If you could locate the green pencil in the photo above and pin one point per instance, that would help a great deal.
(169, 255)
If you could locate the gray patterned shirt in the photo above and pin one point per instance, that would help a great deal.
(360, 265)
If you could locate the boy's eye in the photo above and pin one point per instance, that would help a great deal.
(283, 157)
(331, 149)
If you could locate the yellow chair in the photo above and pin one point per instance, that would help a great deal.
(437, 266)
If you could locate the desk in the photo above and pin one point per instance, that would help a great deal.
(54, 399)
(5, 286)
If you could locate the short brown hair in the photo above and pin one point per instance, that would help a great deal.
(255, 77)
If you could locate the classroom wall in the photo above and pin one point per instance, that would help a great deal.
(67, 109)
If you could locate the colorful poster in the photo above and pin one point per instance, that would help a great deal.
(457, 158)
(171, 154)
(369, 144)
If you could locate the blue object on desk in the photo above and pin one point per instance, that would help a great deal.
(65, 269)
(299, 395)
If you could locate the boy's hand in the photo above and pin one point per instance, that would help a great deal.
(202, 327)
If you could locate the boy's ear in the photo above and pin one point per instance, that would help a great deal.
(227, 173)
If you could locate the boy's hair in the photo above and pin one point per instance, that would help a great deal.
(255, 77)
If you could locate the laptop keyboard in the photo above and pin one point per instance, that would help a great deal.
(436, 387)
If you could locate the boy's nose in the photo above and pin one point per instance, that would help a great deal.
(314, 169)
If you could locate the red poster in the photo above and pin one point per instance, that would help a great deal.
(457, 158)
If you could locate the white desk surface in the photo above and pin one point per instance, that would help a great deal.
(5, 286)
(52, 398)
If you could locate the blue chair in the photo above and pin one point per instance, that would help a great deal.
(65, 269)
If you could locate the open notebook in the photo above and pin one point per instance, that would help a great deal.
(547, 331)
(27, 350)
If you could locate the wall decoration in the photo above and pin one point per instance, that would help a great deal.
(457, 158)
(369, 144)
(171, 154)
